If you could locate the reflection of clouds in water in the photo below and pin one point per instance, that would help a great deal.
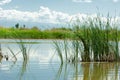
(43, 52)
(5, 67)
(41, 55)
(47, 56)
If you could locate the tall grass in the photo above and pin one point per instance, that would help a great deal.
(27, 33)
(99, 40)
(96, 40)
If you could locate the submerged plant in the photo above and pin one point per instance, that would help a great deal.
(14, 55)
(24, 50)
(59, 51)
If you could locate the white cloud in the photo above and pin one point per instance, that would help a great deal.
(2, 2)
(44, 15)
(86, 1)
(115, 1)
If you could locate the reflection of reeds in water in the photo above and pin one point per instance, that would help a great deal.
(100, 71)
(25, 53)
(59, 72)
(23, 69)
(89, 71)
(1, 56)
(62, 73)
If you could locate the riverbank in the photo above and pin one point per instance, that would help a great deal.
(35, 33)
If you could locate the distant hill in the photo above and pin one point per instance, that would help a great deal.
(31, 24)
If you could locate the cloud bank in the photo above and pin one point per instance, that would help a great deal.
(3, 2)
(43, 15)
(115, 1)
(90, 1)
(83, 1)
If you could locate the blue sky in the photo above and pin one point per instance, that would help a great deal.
(35, 12)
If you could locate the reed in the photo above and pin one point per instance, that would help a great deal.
(14, 55)
(59, 50)
(66, 49)
(116, 49)
(95, 40)
(23, 50)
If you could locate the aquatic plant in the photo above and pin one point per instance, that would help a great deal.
(1, 55)
(98, 39)
(14, 55)
(23, 50)
(59, 50)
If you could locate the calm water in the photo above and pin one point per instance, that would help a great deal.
(43, 64)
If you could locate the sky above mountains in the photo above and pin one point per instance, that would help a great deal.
(35, 12)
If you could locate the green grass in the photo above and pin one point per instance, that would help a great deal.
(28, 33)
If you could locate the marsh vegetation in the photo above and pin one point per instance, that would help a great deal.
(94, 40)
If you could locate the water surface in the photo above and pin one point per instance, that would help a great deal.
(43, 64)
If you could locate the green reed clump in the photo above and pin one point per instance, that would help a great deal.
(95, 40)
(95, 37)
(83, 39)
(116, 44)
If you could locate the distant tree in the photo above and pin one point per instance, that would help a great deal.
(24, 26)
(17, 25)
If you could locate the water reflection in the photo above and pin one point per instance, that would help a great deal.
(22, 49)
(23, 69)
(89, 71)
(38, 66)
(100, 71)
